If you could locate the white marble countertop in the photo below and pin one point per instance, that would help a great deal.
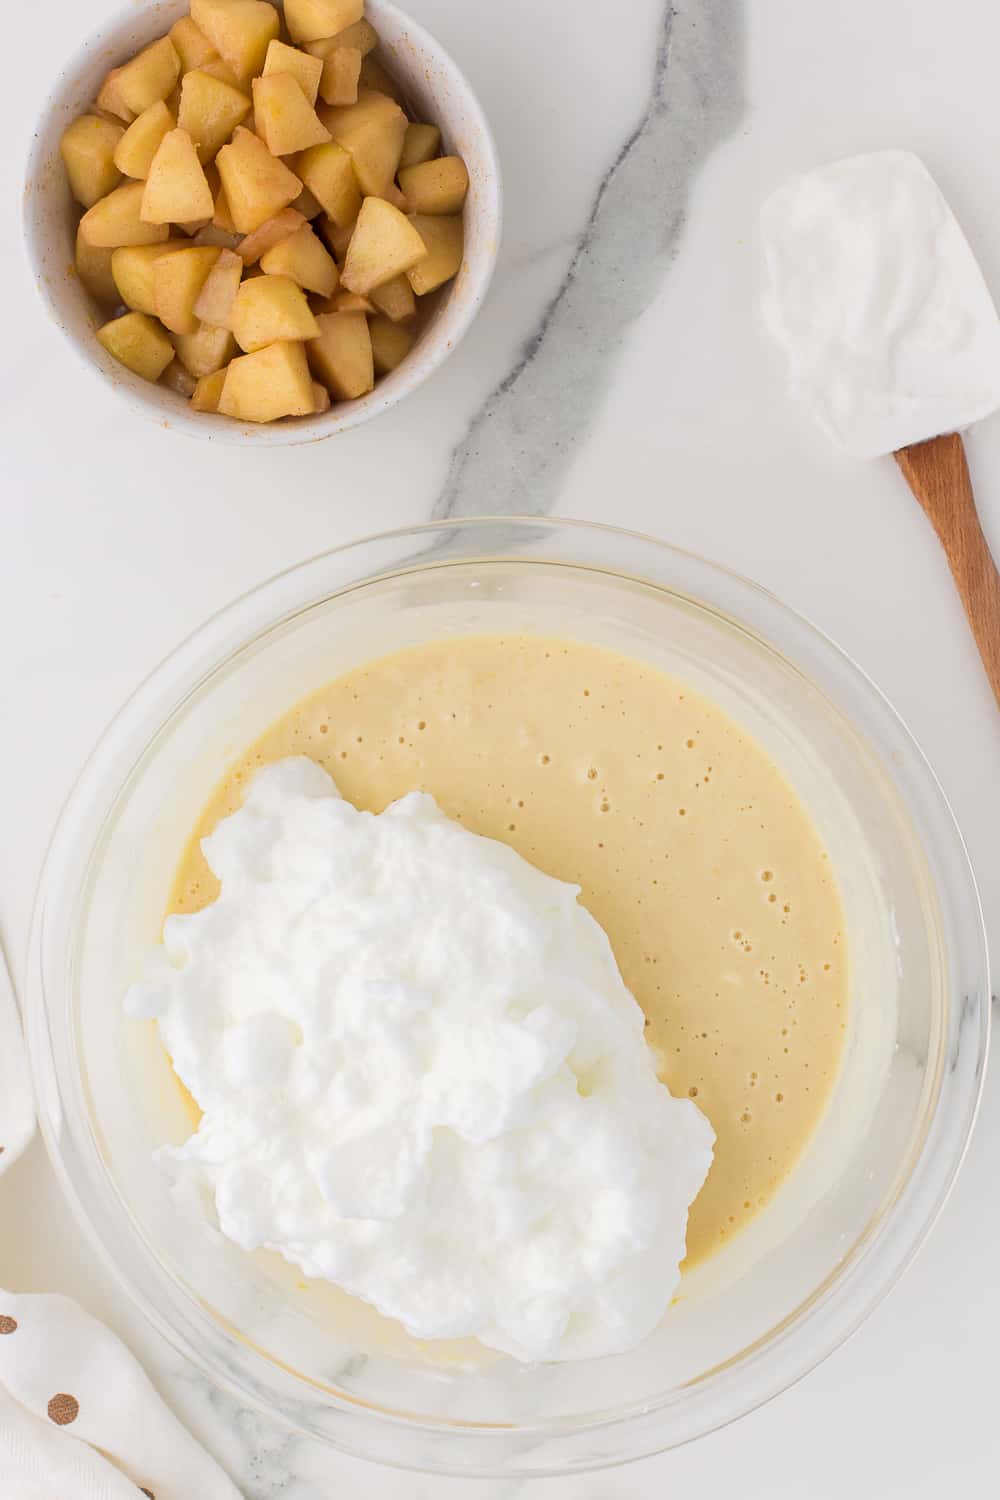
(617, 373)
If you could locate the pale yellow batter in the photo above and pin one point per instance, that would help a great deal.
(689, 846)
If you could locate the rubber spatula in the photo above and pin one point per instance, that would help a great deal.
(893, 350)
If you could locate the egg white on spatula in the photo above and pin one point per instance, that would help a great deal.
(892, 340)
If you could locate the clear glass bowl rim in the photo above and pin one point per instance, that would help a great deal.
(821, 1324)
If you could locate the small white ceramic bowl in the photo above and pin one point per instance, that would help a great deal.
(438, 91)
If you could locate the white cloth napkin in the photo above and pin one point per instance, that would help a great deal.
(79, 1419)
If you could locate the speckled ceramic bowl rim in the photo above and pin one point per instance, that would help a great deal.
(423, 66)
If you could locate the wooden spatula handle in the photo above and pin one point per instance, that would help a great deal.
(938, 475)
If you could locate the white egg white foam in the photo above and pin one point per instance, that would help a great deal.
(876, 298)
(421, 1076)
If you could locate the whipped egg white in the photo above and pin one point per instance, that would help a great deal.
(876, 298)
(422, 1077)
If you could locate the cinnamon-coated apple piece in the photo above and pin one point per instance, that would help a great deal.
(239, 30)
(137, 148)
(214, 304)
(342, 354)
(309, 20)
(284, 118)
(208, 391)
(257, 184)
(139, 343)
(435, 187)
(116, 220)
(210, 110)
(177, 282)
(391, 343)
(268, 384)
(88, 151)
(132, 271)
(177, 190)
(269, 308)
(445, 241)
(305, 69)
(305, 259)
(384, 244)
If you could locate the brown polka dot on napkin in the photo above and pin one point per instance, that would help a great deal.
(63, 1409)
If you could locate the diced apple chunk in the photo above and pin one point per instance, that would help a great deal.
(176, 378)
(284, 117)
(149, 76)
(222, 218)
(206, 350)
(115, 220)
(138, 146)
(210, 235)
(303, 258)
(384, 244)
(132, 271)
(271, 383)
(321, 397)
(206, 231)
(342, 355)
(88, 151)
(139, 343)
(308, 20)
(374, 76)
(337, 236)
(307, 71)
(395, 299)
(435, 187)
(110, 101)
(361, 35)
(391, 343)
(177, 189)
(420, 144)
(328, 173)
(372, 130)
(93, 267)
(177, 282)
(257, 184)
(191, 44)
(269, 308)
(210, 111)
(239, 30)
(307, 204)
(341, 72)
(214, 304)
(345, 302)
(445, 241)
(208, 392)
(270, 233)
(393, 195)
(220, 70)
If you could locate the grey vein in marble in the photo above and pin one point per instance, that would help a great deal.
(521, 441)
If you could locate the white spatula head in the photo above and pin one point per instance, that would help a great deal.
(874, 294)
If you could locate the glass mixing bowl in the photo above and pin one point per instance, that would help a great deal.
(751, 1320)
